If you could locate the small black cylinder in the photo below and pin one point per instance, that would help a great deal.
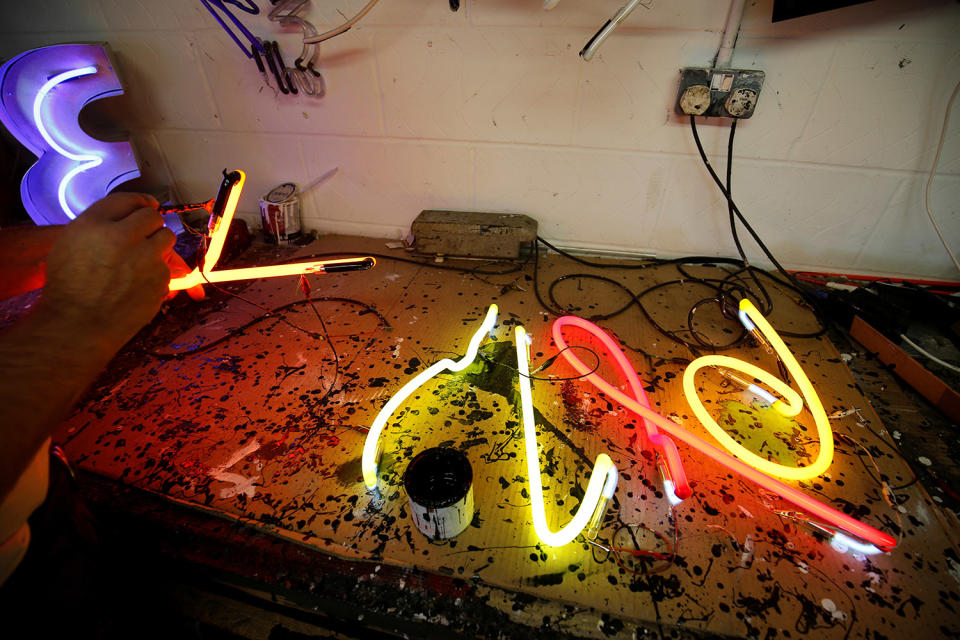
(439, 484)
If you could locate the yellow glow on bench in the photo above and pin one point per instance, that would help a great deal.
(790, 405)
(371, 446)
(600, 488)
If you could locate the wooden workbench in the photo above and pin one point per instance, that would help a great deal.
(265, 430)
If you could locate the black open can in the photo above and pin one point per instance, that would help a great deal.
(439, 484)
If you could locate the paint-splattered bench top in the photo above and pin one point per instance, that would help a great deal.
(267, 428)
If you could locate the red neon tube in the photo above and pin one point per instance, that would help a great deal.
(811, 505)
(666, 446)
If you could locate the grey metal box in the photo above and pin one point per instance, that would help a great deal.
(474, 234)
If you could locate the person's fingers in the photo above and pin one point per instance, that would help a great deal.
(177, 266)
(118, 206)
(161, 242)
(196, 292)
(141, 223)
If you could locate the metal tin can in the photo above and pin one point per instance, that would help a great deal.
(439, 484)
(280, 214)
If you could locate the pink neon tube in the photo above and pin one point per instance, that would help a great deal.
(662, 443)
(811, 505)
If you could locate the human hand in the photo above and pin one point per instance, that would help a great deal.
(108, 273)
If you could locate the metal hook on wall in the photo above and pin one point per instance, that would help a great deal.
(302, 76)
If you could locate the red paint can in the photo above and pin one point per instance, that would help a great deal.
(280, 214)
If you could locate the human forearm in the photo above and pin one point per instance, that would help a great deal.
(46, 364)
(106, 276)
(23, 254)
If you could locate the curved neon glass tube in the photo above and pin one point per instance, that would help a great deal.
(794, 496)
(793, 403)
(603, 479)
(676, 485)
(371, 446)
(87, 160)
(220, 227)
(844, 543)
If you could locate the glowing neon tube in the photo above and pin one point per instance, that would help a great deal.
(793, 401)
(675, 482)
(796, 497)
(87, 160)
(371, 446)
(220, 227)
(758, 391)
(843, 543)
(272, 271)
(600, 487)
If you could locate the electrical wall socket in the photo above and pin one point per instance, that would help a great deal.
(724, 93)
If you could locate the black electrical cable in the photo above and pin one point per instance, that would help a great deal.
(652, 262)
(546, 364)
(514, 266)
(733, 220)
(272, 313)
(326, 335)
(717, 347)
(266, 311)
(733, 207)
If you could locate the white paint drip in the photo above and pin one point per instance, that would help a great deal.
(116, 388)
(875, 579)
(954, 568)
(924, 460)
(831, 607)
(746, 558)
(241, 484)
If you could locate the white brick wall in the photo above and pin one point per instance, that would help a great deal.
(491, 108)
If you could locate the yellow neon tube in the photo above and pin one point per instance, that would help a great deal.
(603, 479)
(371, 446)
(791, 404)
(219, 227)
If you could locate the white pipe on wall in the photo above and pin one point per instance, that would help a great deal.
(730, 33)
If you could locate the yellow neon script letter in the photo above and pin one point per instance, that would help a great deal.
(791, 405)
(603, 479)
(371, 446)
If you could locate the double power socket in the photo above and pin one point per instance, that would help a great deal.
(723, 93)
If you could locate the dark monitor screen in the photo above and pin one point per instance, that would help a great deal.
(786, 9)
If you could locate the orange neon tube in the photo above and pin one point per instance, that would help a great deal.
(677, 477)
(219, 227)
(811, 505)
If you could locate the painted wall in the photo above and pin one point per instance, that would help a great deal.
(490, 108)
